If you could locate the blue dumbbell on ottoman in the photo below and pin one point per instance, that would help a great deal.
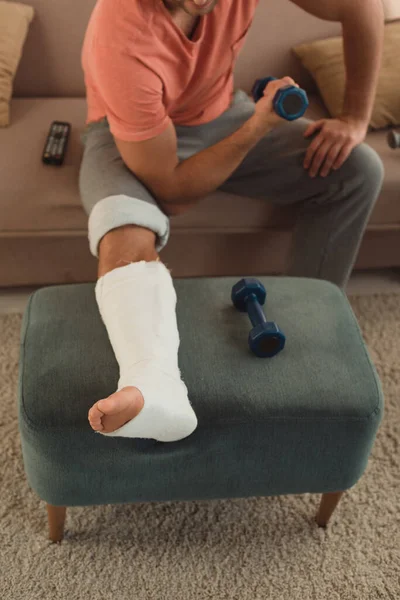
(265, 339)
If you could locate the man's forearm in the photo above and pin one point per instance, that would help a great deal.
(362, 25)
(205, 171)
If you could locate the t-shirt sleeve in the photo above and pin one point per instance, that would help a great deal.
(131, 92)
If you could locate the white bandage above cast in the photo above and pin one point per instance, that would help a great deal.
(137, 303)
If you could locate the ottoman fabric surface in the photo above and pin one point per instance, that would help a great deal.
(303, 421)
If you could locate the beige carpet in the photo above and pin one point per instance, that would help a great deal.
(256, 548)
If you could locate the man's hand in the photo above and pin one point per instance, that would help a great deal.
(333, 144)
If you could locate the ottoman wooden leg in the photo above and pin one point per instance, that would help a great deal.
(56, 518)
(328, 504)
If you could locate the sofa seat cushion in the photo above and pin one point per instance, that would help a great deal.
(387, 209)
(37, 198)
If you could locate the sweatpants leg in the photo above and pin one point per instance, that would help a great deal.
(111, 194)
(332, 211)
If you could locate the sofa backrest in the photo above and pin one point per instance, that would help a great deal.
(51, 65)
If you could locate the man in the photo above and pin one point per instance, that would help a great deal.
(164, 130)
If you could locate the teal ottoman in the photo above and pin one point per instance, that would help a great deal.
(303, 421)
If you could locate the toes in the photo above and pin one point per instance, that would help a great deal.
(94, 417)
(109, 405)
(96, 425)
(95, 413)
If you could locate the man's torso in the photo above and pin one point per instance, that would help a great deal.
(189, 60)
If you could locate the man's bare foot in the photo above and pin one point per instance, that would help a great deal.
(111, 413)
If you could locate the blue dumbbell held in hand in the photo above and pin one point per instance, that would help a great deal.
(265, 339)
(290, 102)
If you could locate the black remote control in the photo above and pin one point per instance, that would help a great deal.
(56, 143)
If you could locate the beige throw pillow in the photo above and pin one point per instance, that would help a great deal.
(14, 24)
(324, 59)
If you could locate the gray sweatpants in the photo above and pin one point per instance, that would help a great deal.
(332, 211)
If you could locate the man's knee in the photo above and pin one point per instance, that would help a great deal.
(126, 244)
(130, 236)
(116, 212)
(366, 169)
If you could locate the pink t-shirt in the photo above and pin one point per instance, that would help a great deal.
(142, 72)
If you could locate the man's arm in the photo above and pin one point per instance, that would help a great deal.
(178, 185)
(362, 25)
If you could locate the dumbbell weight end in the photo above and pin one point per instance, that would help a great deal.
(290, 102)
(393, 139)
(266, 340)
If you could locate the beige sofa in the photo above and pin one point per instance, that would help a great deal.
(43, 228)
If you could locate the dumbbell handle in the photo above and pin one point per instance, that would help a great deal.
(254, 310)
